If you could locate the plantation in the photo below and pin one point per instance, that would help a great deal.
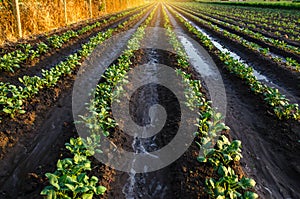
(77, 104)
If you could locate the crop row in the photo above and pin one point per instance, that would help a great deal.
(282, 5)
(262, 17)
(254, 35)
(12, 98)
(288, 62)
(70, 179)
(10, 61)
(279, 103)
(282, 33)
(265, 29)
(222, 155)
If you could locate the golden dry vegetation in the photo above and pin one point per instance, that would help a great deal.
(39, 16)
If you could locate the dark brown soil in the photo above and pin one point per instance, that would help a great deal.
(267, 32)
(32, 143)
(39, 134)
(185, 177)
(269, 145)
(55, 56)
(259, 42)
(280, 75)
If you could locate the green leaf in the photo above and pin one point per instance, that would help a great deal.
(72, 141)
(52, 180)
(51, 194)
(201, 159)
(250, 195)
(247, 182)
(222, 171)
(220, 197)
(59, 165)
(81, 177)
(100, 190)
(82, 189)
(219, 190)
(236, 144)
(94, 180)
(46, 190)
(71, 187)
(8, 111)
(87, 196)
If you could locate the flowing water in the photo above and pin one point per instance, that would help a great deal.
(145, 185)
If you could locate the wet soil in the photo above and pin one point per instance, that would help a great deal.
(55, 56)
(278, 74)
(185, 177)
(267, 32)
(269, 145)
(273, 48)
(31, 144)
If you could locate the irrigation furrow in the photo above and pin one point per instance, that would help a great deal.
(265, 158)
(268, 75)
(229, 19)
(22, 159)
(287, 51)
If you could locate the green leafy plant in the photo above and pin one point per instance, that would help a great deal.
(229, 185)
(70, 179)
(210, 124)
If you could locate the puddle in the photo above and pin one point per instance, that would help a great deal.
(271, 54)
(198, 59)
(256, 73)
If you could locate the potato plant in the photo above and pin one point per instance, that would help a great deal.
(287, 62)
(13, 60)
(278, 102)
(217, 154)
(14, 97)
(70, 180)
(279, 23)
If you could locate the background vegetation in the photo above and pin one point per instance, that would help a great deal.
(39, 16)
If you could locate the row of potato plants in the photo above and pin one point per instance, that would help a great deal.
(286, 35)
(268, 32)
(13, 60)
(287, 62)
(70, 179)
(12, 97)
(279, 103)
(290, 31)
(222, 154)
(281, 20)
(255, 35)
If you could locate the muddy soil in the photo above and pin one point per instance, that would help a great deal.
(269, 146)
(31, 144)
(267, 32)
(281, 76)
(185, 177)
(55, 56)
(178, 180)
(273, 48)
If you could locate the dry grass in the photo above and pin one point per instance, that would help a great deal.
(41, 16)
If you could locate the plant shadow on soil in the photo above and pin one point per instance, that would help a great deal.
(247, 116)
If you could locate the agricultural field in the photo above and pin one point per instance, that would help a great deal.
(165, 99)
